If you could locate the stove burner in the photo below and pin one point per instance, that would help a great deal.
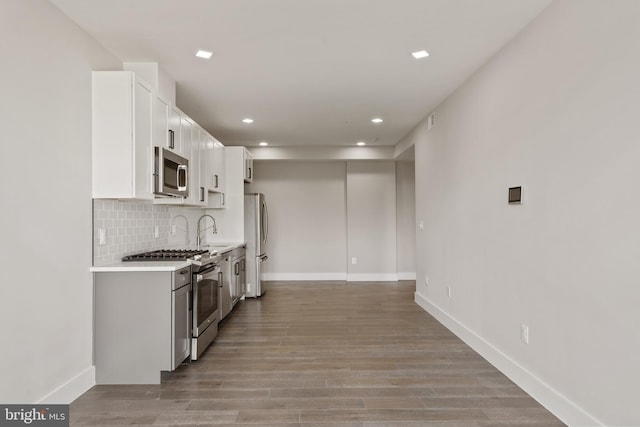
(165, 255)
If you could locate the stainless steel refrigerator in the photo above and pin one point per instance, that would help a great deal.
(256, 230)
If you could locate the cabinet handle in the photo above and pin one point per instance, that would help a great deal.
(202, 194)
(242, 264)
(216, 178)
(222, 199)
(250, 177)
(236, 268)
(220, 279)
(171, 139)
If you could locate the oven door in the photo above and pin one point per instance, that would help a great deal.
(206, 309)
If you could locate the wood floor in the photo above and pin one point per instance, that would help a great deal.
(324, 354)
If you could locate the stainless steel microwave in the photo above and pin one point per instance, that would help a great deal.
(170, 173)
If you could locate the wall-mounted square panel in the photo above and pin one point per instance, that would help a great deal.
(515, 195)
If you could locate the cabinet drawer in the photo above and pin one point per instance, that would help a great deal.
(181, 277)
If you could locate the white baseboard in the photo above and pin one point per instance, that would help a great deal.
(372, 277)
(72, 389)
(558, 404)
(304, 276)
(337, 276)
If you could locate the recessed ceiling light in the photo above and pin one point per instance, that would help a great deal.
(204, 54)
(377, 120)
(264, 143)
(420, 54)
(361, 143)
(247, 120)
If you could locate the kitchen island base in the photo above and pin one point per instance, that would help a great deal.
(142, 325)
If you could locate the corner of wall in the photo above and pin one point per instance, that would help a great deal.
(72, 389)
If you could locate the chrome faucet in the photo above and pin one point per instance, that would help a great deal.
(199, 231)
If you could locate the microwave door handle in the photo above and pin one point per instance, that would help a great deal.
(159, 170)
(182, 168)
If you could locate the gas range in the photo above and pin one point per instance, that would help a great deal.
(199, 259)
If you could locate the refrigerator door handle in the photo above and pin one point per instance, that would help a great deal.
(265, 221)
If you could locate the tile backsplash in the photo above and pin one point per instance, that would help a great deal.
(135, 226)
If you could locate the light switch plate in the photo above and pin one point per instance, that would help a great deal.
(515, 195)
(102, 236)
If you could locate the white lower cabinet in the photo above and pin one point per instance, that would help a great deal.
(142, 324)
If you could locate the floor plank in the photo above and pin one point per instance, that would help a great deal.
(324, 354)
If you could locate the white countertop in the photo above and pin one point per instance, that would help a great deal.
(140, 266)
(220, 247)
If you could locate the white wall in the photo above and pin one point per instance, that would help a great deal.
(371, 220)
(323, 213)
(46, 292)
(406, 220)
(556, 111)
(307, 219)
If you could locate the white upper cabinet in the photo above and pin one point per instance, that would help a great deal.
(186, 127)
(215, 154)
(204, 165)
(198, 167)
(248, 166)
(130, 118)
(175, 142)
(216, 173)
(122, 159)
(160, 136)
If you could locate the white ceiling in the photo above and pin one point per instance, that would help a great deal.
(309, 72)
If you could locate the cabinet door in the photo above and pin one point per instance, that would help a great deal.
(248, 166)
(216, 160)
(203, 142)
(243, 277)
(160, 134)
(186, 127)
(121, 136)
(216, 176)
(236, 281)
(225, 289)
(181, 333)
(143, 158)
(174, 123)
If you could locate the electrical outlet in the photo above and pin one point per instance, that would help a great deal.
(449, 291)
(421, 225)
(354, 260)
(524, 333)
(173, 230)
(102, 236)
(156, 231)
(426, 280)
